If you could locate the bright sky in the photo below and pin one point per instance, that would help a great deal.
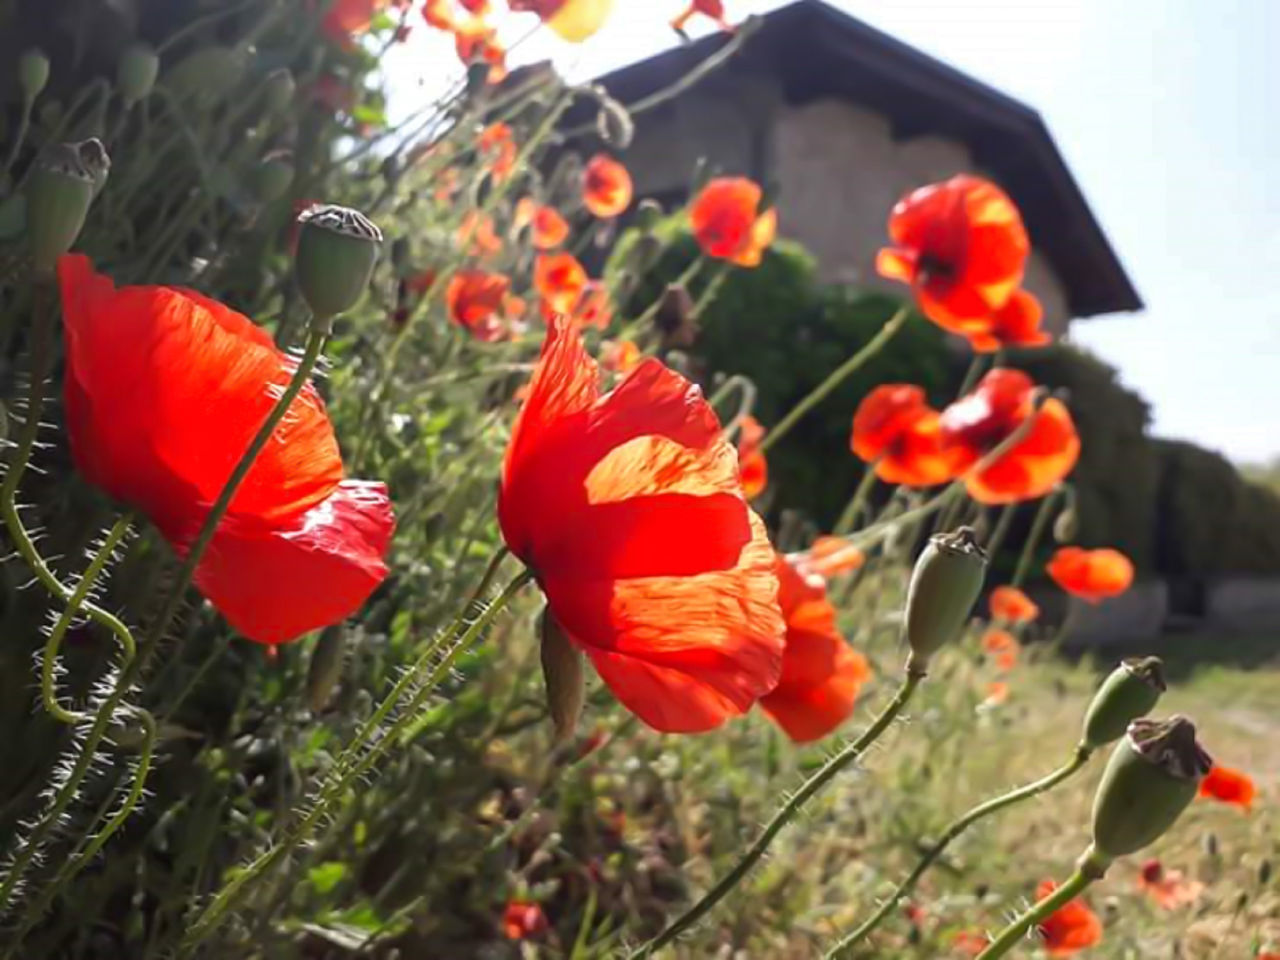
(1168, 113)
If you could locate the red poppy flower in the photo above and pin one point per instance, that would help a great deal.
(479, 8)
(1016, 324)
(829, 557)
(1003, 646)
(711, 9)
(628, 508)
(1170, 889)
(550, 229)
(753, 468)
(476, 235)
(1011, 605)
(978, 423)
(475, 299)
(475, 41)
(522, 919)
(1091, 575)
(1071, 928)
(573, 20)
(821, 674)
(1228, 786)
(299, 547)
(620, 356)
(897, 431)
(560, 280)
(997, 693)
(728, 224)
(962, 247)
(606, 187)
(594, 308)
(439, 14)
(345, 19)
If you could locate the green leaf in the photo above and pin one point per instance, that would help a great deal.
(326, 876)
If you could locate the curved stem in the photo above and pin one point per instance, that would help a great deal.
(958, 826)
(1033, 538)
(1036, 915)
(854, 507)
(49, 663)
(784, 816)
(343, 777)
(837, 377)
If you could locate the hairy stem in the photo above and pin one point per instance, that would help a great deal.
(1010, 936)
(837, 377)
(784, 816)
(958, 826)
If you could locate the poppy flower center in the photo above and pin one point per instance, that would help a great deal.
(933, 268)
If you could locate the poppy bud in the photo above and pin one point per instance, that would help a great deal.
(1066, 525)
(325, 668)
(271, 178)
(278, 90)
(1131, 691)
(674, 319)
(614, 123)
(33, 73)
(944, 586)
(1153, 774)
(62, 186)
(648, 214)
(563, 673)
(337, 248)
(136, 73)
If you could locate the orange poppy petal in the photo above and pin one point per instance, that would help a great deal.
(1228, 786)
(1012, 605)
(1091, 575)
(607, 188)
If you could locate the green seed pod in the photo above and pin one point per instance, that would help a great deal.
(13, 215)
(649, 214)
(1153, 774)
(325, 669)
(272, 177)
(1130, 691)
(136, 72)
(33, 73)
(337, 249)
(278, 90)
(944, 586)
(59, 192)
(562, 670)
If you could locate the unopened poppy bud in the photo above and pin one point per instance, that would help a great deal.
(62, 186)
(563, 672)
(1153, 774)
(33, 73)
(325, 668)
(645, 253)
(337, 249)
(136, 73)
(649, 214)
(278, 89)
(1131, 691)
(944, 586)
(1066, 525)
(272, 177)
(614, 123)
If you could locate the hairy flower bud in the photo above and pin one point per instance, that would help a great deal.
(944, 586)
(1131, 691)
(136, 72)
(278, 89)
(562, 669)
(674, 319)
(649, 214)
(63, 183)
(337, 249)
(272, 177)
(614, 123)
(1153, 774)
(33, 73)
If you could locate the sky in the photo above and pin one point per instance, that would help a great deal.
(1168, 114)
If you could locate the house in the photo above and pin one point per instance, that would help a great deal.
(841, 119)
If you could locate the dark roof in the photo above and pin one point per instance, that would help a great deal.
(818, 51)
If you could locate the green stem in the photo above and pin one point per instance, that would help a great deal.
(1011, 935)
(630, 331)
(1002, 529)
(971, 375)
(837, 377)
(1033, 538)
(957, 827)
(49, 663)
(344, 777)
(854, 507)
(784, 816)
(24, 124)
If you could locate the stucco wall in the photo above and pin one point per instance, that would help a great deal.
(1137, 614)
(1245, 604)
(839, 171)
